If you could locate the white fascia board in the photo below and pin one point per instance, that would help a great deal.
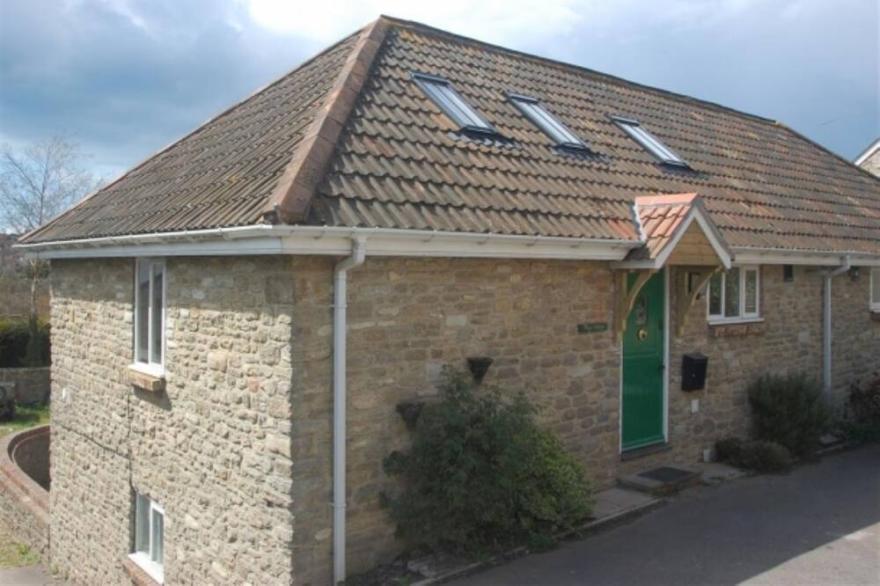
(775, 256)
(311, 240)
(714, 236)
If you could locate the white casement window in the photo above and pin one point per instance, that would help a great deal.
(149, 540)
(149, 310)
(875, 290)
(735, 295)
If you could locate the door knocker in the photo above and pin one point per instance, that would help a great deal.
(642, 334)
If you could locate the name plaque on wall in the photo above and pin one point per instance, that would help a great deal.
(592, 327)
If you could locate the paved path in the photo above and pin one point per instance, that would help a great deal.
(26, 576)
(819, 525)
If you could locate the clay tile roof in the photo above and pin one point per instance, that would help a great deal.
(349, 139)
(660, 217)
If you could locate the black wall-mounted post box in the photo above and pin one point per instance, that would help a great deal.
(693, 371)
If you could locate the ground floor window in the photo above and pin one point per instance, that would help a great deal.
(149, 539)
(735, 295)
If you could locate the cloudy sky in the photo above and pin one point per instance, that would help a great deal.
(125, 77)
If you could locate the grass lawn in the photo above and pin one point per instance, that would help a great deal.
(25, 416)
(12, 553)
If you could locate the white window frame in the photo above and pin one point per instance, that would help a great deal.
(547, 122)
(440, 91)
(649, 142)
(143, 553)
(873, 288)
(743, 316)
(147, 363)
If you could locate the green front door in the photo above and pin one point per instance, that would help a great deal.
(643, 368)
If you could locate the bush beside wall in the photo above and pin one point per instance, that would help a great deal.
(863, 410)
(789, 410)
(481, 475)
(23, 344)
(757, 455)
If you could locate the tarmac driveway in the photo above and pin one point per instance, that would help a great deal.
(818, 525)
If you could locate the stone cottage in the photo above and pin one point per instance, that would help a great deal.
(236, 318)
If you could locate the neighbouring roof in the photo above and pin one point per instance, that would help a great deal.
(873, 148)
(869, 160)
(350, 140)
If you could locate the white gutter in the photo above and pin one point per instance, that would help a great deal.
(285, 239)
(827, 325)
(340, 325)
(749, 255)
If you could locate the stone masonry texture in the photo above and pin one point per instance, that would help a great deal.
(213, 450)
(408, 318)
(239, 449)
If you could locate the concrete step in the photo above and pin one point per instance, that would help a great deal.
(661, 481)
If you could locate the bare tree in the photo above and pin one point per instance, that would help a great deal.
(40, 181)
(37, 183)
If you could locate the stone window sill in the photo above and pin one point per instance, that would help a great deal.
(146, 379)
(731, 329)
(138, 575)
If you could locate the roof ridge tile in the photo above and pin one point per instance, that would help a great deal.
(293, 195)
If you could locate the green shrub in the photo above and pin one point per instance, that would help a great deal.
(729, 449)
(863, 407)
(764, 456)
(481, 475)
(23, 343)
(757, 455)
(790, 411)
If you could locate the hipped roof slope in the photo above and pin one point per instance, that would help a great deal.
(350, 140)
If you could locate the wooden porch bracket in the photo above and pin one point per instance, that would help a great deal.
(626, 296)
(684, 298)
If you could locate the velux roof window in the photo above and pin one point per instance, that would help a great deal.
(650, 142)
(544, 120)
(452, 104)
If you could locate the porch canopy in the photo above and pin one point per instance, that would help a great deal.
(676, 231)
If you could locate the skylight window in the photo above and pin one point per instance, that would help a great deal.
(544, 120)
(650, 142)
(452, 104)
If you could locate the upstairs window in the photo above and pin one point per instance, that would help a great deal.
(452, 104)
(149, 537)
(149, 322)
(544, 120)
(650, 142)
(875, 290)
(735, 295)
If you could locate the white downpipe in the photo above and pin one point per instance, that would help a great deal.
(340, 325)
(827, 325)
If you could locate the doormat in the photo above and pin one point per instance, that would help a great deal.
(667, 474)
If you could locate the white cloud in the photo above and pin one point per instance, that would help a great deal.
(126, 9)
(514, 23)
(498, 21)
